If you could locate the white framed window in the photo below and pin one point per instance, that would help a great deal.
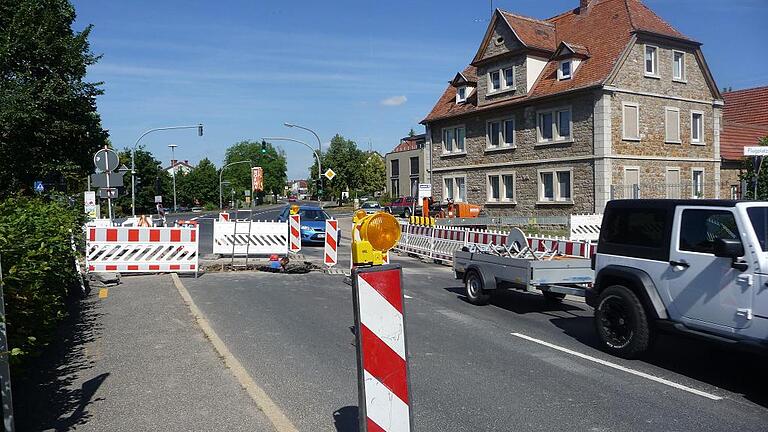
(734, 192)
(672, 181)
(461, 94)
(697, 182)
(494, 81)
(455, 188)
(678, 65)
(630, 118)
(556, 185)
(500, 133)
(632, 182)
(554, 125)
(395, 187)
(651, 61)
(501, 187)
(454, 138)
(672, 125)
(509, 77)
(564, 70)
(697, 127)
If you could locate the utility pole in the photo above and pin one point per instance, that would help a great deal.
(173, 173)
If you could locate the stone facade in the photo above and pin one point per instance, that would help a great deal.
(509, 42)
(519, 65)
(730, 183)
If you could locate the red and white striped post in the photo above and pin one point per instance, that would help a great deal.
(382, 355)
(331, 242)
(294, 232)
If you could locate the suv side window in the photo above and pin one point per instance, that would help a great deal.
(637, 227)
(700, 228)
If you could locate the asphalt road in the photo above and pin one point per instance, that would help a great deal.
(468, 371)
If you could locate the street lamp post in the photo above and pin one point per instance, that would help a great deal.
(319, 149)
(199, 128)
(221, 205)
(173, 173)
(317, 155)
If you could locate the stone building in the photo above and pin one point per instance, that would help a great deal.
(406, 166)
(745, 122)
(558, 116)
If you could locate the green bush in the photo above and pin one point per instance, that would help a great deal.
(38, 268)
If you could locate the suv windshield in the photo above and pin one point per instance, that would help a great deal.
(313, 214)
(758, 216)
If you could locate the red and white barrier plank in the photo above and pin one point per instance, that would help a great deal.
(294, 232)
(382, 355)
(331, 242)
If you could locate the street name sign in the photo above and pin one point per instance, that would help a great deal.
(756, 151)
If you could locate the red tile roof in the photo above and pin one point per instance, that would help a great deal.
(603, 31)
(748, 106)
(745, 121)
(405, 146)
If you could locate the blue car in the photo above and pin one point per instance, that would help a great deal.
(312, 223)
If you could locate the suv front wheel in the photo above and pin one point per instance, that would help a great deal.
(621, 322)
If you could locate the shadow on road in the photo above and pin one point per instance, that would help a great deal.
(346, 419)
(520, 302)
(43, 393)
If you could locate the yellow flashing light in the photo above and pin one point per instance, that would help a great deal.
(372, 236)
(294, 209)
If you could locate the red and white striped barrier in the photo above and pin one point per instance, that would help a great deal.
(331, 242)
(294, 232)
(223, 217)
(142, 249)
(251, 238)
(382, 355)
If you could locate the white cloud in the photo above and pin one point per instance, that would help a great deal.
(394, 101)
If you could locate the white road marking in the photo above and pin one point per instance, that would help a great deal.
(407, 296)
(621, 368)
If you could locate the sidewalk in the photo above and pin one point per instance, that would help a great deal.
(135, 360)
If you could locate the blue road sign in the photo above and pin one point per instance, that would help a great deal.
(39, 186)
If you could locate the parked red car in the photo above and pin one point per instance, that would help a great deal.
(403, 207)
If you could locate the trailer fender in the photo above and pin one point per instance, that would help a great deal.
(489, 282)
(639, 282)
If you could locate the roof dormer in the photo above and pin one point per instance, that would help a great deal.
(465, 85)
(569, 57)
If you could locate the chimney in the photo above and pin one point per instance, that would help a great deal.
(186, 161)
(583, 5)
(173, 162)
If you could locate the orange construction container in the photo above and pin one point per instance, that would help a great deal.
(466, 210)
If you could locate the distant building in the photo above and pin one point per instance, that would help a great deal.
(299, 188)
(745, 122)
(406, 166)
(180, 167)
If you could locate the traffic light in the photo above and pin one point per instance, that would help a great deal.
(263, 147)
(372, 236)
(199, 130)
(158, 186)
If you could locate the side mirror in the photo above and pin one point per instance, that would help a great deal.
(728, 248)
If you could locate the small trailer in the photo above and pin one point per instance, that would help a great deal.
(487, 268)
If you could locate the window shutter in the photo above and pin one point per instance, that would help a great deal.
(631, 122)
(672, 125)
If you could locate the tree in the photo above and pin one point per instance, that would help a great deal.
(200, 186)
(412, 133)
(345, 159)
(749, 175)
(373, 174)
(49, 127)
(149, 175)
(272, 161)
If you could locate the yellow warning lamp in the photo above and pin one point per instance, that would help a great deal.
(372, 236)
(294, 209)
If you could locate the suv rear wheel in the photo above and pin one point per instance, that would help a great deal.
(621, 322)
(473, 286)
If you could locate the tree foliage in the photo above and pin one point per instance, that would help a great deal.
(345, 159)
(148, 171)
(49, 126)
(38, 268)
(749, 175)
(200, 186)
(373, 174)
(273, 162)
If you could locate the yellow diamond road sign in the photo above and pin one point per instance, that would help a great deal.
(329, 174)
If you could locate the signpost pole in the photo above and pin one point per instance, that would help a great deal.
(5, 372)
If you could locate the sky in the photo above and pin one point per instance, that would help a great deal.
(368, 70)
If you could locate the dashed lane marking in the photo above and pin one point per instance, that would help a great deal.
(270, 409)
(622, 368)
(407, 296)
(103, 292)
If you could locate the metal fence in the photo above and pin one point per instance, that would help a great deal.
(648, 190)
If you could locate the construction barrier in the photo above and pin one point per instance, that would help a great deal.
(294, 223)
(250, 238)
(439, 243)
(382, 355)
(330, 253)
(585, 227)
(142, 249)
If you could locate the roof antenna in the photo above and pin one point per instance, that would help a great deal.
(483, 19)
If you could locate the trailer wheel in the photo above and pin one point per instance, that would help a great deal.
(473, 286)
(553, 297)
(621, 322)
(407, 213)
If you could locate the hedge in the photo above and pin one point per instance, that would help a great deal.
(38, 268)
